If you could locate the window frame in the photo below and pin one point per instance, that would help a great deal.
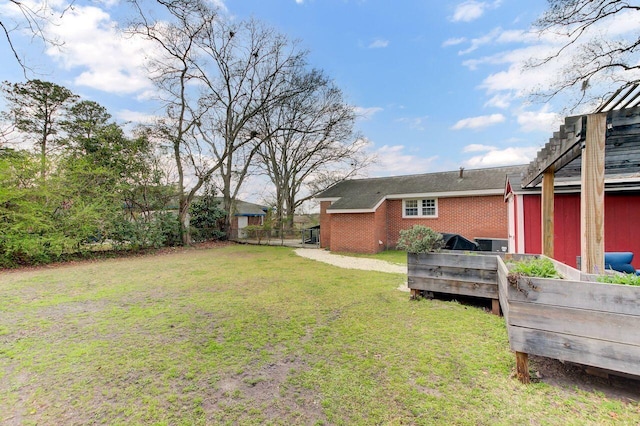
(420, 207)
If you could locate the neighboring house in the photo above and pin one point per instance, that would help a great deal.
(366, 215)
(246, 214)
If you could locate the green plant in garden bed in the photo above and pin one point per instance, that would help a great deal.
(541, 268)
(420, 239)
(626, 279)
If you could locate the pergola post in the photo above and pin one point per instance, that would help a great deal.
(548, 178)
(592, 196)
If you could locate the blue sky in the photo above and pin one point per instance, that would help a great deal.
(438, 84)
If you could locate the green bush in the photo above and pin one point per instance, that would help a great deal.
(541, 268)
(420, 239)
(207, 219)
(626, 279)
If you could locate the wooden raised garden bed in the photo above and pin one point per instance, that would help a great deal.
(574, 319)
(454, 272)
(581, 321)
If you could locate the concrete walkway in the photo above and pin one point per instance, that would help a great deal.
(349, 262)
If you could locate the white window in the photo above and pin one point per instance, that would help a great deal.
(427, 207)
(411, 208)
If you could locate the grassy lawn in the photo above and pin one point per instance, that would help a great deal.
(393, 256)
(255, 335)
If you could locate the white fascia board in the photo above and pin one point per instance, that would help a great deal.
(332, 211)
(448, 194)
(333, 199)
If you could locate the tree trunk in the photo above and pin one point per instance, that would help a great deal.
(183, 219)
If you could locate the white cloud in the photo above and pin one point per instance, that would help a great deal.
(299, 1)
(453, 41)
(503, 157)
(500, 100)
(111, 63)
(479, 122)
(542, 120)
(480, 41)
(469, 11)
(366, 113)
(392, 160)
(475, 147)
(135, 116)
(517, 79)
(378, 44)
(416, 123)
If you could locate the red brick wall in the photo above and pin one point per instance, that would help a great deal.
(353, 232)
(470, 217)
(255, 220)
(381, 227)
(325, 225)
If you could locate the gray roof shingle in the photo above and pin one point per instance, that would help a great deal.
(366, 194)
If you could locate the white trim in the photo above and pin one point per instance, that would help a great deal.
(448, 194)
(520, 224)
(332, 211)
(419, 207)
(423, 195)
(511, 225)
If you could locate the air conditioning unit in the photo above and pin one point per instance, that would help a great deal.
(493, 244)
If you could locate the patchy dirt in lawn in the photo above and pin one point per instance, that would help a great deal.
(270, 390)
(571, 376)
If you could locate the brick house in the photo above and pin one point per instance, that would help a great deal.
(366, 215)
(246, 214)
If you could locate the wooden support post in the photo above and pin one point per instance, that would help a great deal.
(522, 367)
(415, 293)
(548, 178)
(592, 195)
(495, 306)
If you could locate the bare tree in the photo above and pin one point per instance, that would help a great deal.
(32, 18)
(589, 57)
(248, 72)
(311, 144)
(175, 73)
(215, 78)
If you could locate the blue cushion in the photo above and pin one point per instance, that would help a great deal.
(619, 261)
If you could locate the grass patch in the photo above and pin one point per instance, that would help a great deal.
(258, 335)
(394, 256)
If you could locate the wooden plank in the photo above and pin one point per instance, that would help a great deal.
(450, 259)
(451, 273)
(547, 211)
(621, 328)
(488, 291)
(592, 195)
(503, 286)
(622, 299)
(596, 353)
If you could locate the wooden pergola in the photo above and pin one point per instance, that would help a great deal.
(605, 142)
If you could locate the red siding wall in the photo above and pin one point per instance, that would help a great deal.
(621, 233)
(470, 217)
